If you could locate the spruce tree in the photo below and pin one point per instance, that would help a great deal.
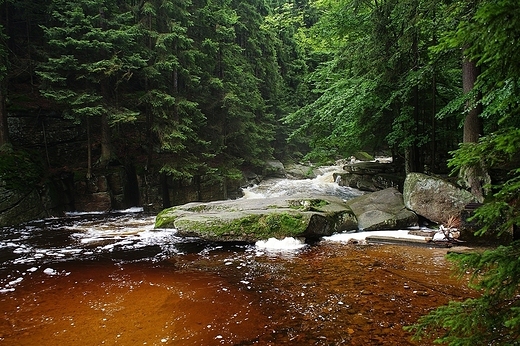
(172, 115)
(92, 51)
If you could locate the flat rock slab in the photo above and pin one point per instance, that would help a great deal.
(256, 219)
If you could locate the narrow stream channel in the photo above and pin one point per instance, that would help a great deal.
(111, 279)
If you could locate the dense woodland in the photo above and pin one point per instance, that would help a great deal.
(212, 86)
(202, 86)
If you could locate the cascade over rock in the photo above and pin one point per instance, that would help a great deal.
(433, 198)
(310, 217)
(381, 210)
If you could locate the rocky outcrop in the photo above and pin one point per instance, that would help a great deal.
(299, 171)
(370, 176)
(255, 219)
(17, 207)
(274, 169)
(263, 218)
(382, 210)
(433, 198)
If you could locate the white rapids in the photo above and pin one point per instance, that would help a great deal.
(323, 184)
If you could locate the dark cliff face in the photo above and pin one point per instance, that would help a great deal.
(59, 142)
(57, 148)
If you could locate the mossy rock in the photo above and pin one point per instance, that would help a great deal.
(363, 156)
(240, 226)
(257, 219)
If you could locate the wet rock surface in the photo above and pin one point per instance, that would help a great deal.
(370, 176)
(256, 219)
(383, 209)
(310, 217)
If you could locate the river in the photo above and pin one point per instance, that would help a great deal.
(111, 279)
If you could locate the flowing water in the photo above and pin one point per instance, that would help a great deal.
(111, 279)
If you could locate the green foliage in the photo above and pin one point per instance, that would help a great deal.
(379, 87)
(497, 150)
(92, 51)
(493, 318)
(3, 53)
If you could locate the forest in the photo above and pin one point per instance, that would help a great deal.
(201, 86)
(197, 87)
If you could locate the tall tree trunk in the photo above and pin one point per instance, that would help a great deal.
(433, 138)
(148, 108)
(472, 175)
(106, 145)
(89, 150)
(106, 141)
(414, 155)
(472, 122)
(4, 131)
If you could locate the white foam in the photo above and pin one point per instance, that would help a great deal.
(82, 213)
(323, 184)
(50, 271)
(14, 282)
(130, 210)
(286, 244)
(361, 236)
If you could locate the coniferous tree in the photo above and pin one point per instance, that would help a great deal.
(172, 116)
(92, 50)
(229, 92)
(285, 26)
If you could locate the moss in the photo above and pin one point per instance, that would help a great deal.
(310, 173)
(363, 156)
(308, 204)
(249, 227)
(166, 218)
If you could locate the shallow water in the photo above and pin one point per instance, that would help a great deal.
(113, 280)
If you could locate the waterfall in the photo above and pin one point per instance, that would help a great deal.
(323, 184)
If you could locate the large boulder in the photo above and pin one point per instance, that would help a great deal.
(382, 210)
(433, 198)
(257, 219)
(274, 169)
(299, 171)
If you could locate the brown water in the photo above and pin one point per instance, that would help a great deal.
(326, 294)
